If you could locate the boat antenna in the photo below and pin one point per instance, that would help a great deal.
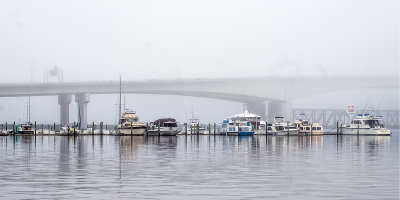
(187, 119)
(124, 104)
(29, 107)
(365, 106)
(120, 94)
(379, 105)
(28, 110)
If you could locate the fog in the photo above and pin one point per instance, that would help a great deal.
(185, 40)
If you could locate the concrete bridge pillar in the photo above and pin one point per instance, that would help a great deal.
(64, 100)
(280, 109)
(258, 108)
(82, 99)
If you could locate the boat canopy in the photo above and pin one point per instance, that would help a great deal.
(164, 120)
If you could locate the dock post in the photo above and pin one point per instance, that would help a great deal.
(311, 130)
(287, 128)
(14, 129)
(54, 126)
(198, 128)
(186, 128)
(358, 129)
(266, 132)
(215, 129)
(74, 129)
(209, 129)
(93, 128)
(101, 128)
(35, 127)
(131, 128)
(42, 128)
(337, 128)
(159, 127)
(6, 127)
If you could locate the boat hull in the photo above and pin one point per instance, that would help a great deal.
(240, 133)
(285, 133)
(136, 131)
(162, 133)
(317, 132)
(359, 131)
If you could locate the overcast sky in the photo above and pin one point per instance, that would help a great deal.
(171, 39)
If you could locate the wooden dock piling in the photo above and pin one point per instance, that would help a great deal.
(287, 128)
(215, 129)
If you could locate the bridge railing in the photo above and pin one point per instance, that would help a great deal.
(328, 118)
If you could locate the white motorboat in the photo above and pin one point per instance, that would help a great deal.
(195, 127)
(129, 124)
(246, 116)
(163, 127)
(237, 127)
(365, 124)
(282, 127)
(305, 128)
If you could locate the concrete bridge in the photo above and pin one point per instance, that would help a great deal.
(278, 91)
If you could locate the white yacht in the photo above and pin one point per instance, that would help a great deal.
(195, 127)
(305, 128)
(129, 124)
(163, 127)
(237, 127)
(365, 124)
(282, 127)
(246, 116)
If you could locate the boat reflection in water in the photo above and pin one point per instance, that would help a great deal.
(123, 166)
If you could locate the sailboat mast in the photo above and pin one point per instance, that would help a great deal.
(29, 109)
(120, 95)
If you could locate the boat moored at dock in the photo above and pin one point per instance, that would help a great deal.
(306, 128)
(238, 128)
(163, 127)
(282, 127)
(365, 124)
(129, 124)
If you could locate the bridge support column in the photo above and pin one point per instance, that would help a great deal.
(82, 99)
(258, 108)
(64, 100)
(280, 109)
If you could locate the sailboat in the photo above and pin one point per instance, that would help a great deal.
(128, 123)
(26, 128)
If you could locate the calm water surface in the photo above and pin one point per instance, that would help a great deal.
(199, 167)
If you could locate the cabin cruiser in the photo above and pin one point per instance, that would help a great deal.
(195, 127)
(365, 124)
(163, 127)
(129, 124)
(237, 127)
(280, 127)
(26, 128)
(254, 119)
(305, 128)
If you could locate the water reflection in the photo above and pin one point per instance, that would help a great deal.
(219, 167)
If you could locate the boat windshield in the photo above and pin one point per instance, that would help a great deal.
(170, 124)
(121, 121)
(373, 123)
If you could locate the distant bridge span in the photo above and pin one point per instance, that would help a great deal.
(279, 91)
